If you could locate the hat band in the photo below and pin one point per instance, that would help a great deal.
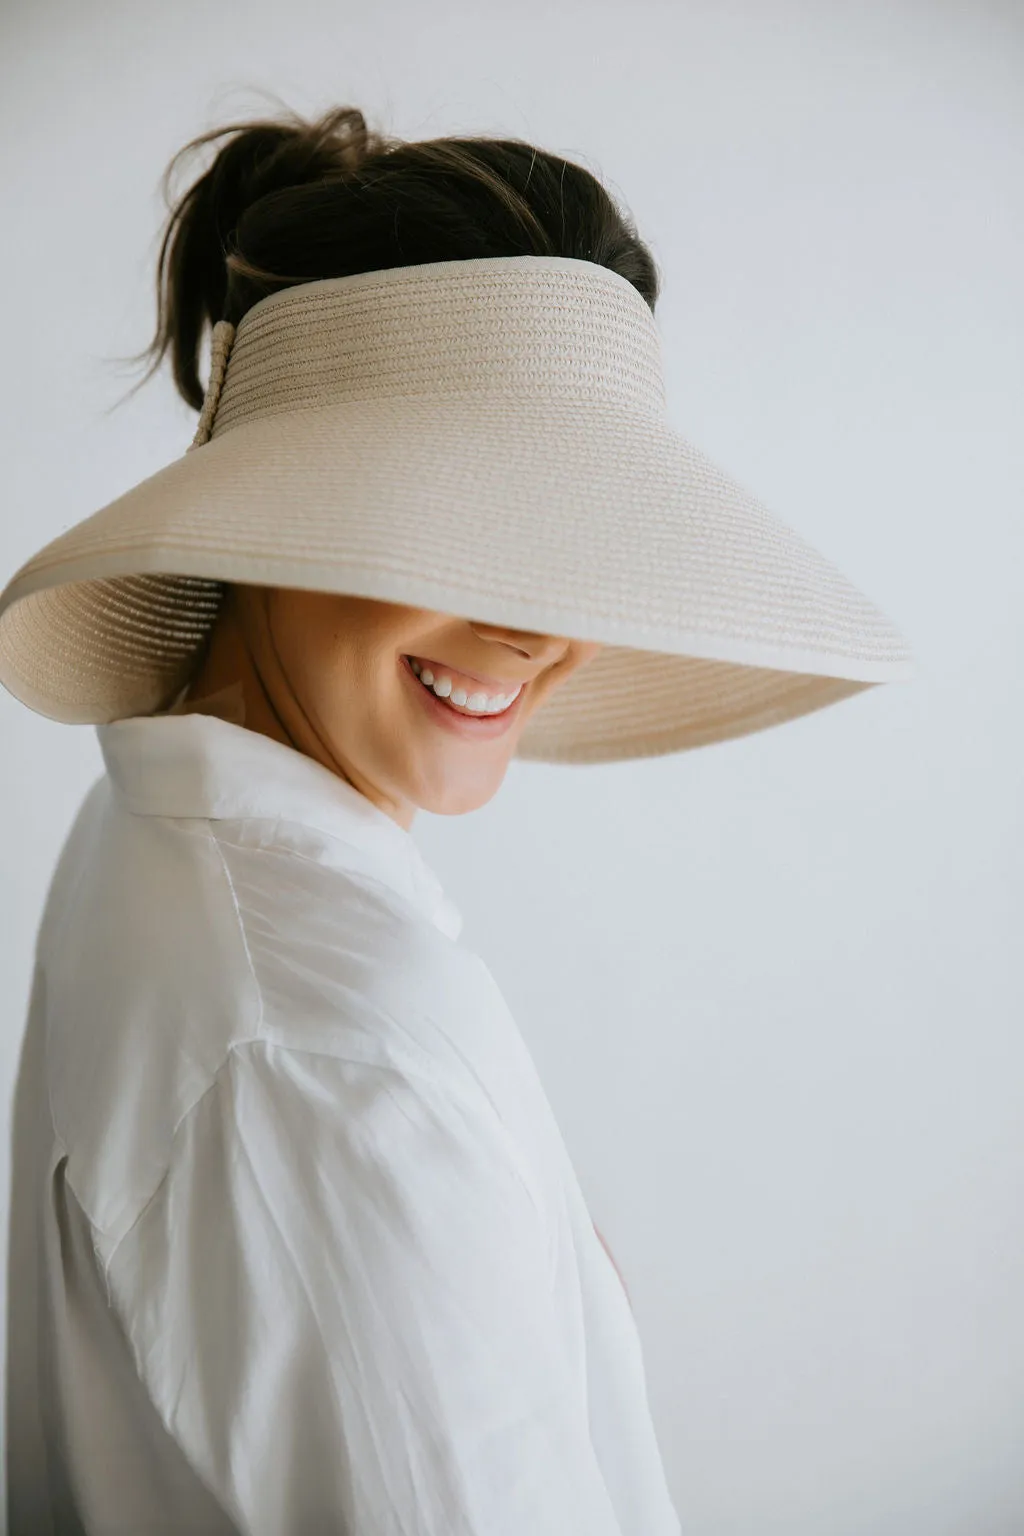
(536, 327)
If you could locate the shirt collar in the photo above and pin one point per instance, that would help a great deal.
(203, 765)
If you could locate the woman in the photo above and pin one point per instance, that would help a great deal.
(296, 1245)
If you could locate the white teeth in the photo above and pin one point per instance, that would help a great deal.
(479, 703)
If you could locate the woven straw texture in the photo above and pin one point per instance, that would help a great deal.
(485, 438)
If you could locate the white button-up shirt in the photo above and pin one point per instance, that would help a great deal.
(296, 1246)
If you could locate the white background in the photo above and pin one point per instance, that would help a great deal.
(773, 987)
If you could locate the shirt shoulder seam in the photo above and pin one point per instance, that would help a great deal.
(409, 1064)
(233, 1049)
(243, 935)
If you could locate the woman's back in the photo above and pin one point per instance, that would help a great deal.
(308, 1239)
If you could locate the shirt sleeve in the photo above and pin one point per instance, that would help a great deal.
(339, 1300)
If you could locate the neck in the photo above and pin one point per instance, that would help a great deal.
(229, 659)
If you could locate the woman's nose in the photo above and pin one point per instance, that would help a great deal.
(541, 648)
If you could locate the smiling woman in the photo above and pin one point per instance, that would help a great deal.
(342, 680)
(296, 1242)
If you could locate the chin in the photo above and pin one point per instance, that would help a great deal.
(456, 800)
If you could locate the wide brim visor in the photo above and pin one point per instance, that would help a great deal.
(714, 618)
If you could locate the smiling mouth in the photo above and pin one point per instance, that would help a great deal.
(459, 697)
(460, 720)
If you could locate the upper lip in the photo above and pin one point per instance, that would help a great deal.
(440, 668)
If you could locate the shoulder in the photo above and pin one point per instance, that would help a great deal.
(344, 964)
(169, 943)
(355, 979)
(325, 1168)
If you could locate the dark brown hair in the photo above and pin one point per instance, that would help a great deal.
(290, 200)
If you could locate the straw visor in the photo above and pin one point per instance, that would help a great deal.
(485, 438)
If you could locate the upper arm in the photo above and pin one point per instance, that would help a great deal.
(340, 1304)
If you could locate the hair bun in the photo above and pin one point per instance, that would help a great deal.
(256, 160)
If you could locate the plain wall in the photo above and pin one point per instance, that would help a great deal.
(773, 987)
